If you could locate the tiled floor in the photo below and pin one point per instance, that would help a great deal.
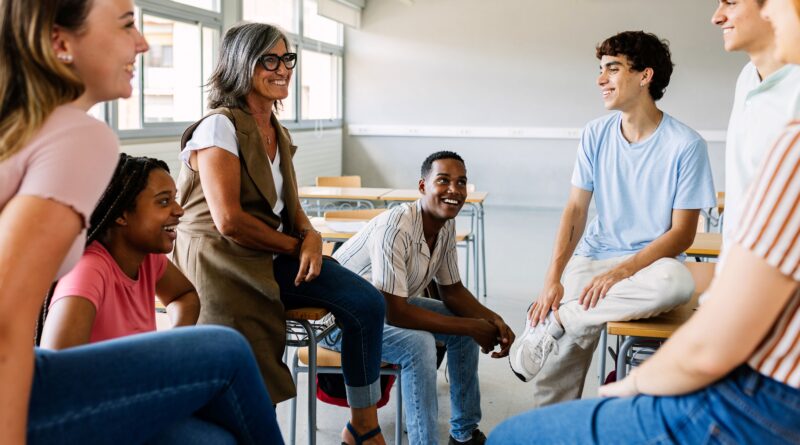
(519, 243)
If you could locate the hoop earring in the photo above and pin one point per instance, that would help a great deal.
(64, 57)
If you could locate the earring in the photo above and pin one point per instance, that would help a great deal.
(64, 57)
(641, 84)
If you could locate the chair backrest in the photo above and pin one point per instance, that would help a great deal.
(720, 201)
(339, 181)
(355, 215)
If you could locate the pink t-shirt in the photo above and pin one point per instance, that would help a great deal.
(124, 306)
(69, 160)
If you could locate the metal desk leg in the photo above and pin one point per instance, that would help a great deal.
(482, 230)
(622, 357)
(602, 351)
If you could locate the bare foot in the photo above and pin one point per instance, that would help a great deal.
(348, 438)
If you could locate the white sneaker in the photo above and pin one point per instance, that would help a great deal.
(530, 351)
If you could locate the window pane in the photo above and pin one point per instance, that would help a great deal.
(128, 109)
(318, 27)
(210, 45)
(320, 85)
(289, 111)
(211, 5)
(172, 71)
(278, 12)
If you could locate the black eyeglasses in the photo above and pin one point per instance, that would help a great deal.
(270, 62)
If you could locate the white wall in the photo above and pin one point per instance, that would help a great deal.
(514, 63)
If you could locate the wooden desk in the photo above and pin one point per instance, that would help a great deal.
(662, 326)
(343, 193)
(706, 245)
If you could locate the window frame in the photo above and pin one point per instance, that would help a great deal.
(179, 12)
(219, 21)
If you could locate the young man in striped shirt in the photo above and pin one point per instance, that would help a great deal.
(400, 252)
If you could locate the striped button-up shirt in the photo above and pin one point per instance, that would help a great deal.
(771, 229)
(391, 253)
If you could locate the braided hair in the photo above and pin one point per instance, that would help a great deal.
(130, 178)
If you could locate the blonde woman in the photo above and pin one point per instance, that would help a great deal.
(57, 59)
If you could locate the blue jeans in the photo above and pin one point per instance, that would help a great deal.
(359, 310)
(415, 352)
(135, 389)
(744, 407)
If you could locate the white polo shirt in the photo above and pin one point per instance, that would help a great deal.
(391, 253)
(761, 110)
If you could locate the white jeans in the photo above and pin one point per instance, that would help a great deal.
(657, 288)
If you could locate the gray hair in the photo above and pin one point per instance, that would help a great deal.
(241, 47)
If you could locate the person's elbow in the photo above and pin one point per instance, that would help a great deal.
(187, 308)
(228, 223)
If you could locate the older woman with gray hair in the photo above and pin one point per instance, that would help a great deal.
(246, 243)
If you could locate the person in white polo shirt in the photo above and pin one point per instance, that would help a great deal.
(761, 109)
(401, 252)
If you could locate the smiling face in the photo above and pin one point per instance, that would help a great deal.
(783, 15)
(620, 86)
(270, 86)
(104, 50)
(743, 28)
(444, 190)
(150, 226)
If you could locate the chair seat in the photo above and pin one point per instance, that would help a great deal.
(326, 357)
(306, 313)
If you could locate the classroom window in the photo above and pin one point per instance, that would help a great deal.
(211, 5)
(320, 28)
(168, 84)
(316, 97)
(321, 82)
(284, 13)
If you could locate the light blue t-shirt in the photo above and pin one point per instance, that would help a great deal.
(636, 186)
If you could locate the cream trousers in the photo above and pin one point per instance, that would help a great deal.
(657, 288)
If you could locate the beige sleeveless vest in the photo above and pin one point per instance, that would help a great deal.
(236, 284)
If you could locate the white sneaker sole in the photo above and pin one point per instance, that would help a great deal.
(514, 356)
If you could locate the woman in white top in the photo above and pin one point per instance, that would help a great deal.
(731, 374)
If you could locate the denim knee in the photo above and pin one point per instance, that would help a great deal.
(223, 343)
(421, 348)
(371, 308)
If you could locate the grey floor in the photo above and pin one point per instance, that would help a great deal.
(519, 243)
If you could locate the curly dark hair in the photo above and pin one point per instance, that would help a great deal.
(427, 164)
(643, 50)
(129, 179)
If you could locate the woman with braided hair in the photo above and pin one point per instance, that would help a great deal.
(58, 58)
(110, 292)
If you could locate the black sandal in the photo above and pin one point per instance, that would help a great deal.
(366, 436)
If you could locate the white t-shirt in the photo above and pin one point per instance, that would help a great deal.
(761, 110)
(218, 131)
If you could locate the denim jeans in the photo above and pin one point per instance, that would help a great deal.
(359, 310)
(744, 407)
(415, 352)
(134, 389)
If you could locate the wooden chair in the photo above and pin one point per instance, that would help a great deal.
(658, 328)
(338, 181)
(306, 327)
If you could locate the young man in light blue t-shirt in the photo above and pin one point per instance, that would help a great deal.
(650, 176)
